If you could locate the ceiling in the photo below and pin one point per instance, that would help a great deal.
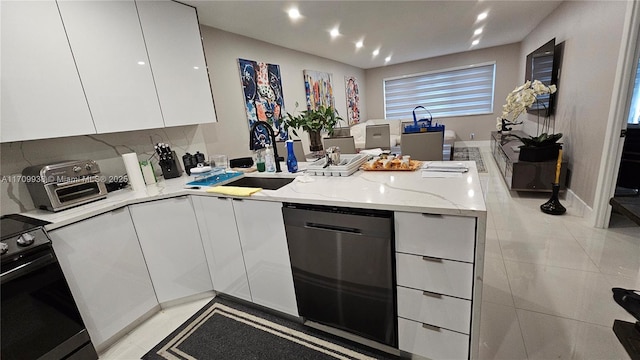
(403, 30)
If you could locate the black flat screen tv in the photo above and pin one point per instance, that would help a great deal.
(544, 64)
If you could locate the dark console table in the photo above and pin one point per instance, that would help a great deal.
(523, 175)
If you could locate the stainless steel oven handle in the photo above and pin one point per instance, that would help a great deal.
(82, 180)
(27, 267)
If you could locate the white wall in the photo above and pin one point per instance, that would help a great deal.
(222, 49)
(591, 31)
(507, 60)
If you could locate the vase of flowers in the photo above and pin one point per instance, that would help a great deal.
(518, 101)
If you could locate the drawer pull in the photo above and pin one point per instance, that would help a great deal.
(430, 327)
(433, 216)
(429, 258)
(435, 295)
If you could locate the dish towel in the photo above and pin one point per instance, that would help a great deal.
(233, 190)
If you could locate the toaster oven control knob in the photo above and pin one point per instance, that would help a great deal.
(3, 248)
(88, 167)
(25, 239)
(77, 168)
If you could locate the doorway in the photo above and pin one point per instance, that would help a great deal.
(618, 160)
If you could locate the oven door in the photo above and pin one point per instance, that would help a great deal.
(39, 316)
(75, 192)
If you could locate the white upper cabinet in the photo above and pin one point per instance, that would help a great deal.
(174, 44)
(41, 92)
(111, 57)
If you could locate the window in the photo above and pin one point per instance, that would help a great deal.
(450, 92)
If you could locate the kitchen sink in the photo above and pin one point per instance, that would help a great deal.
(273, 183)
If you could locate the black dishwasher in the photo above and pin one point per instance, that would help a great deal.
(342, 263)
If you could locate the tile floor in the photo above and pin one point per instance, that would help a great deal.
(547, 290)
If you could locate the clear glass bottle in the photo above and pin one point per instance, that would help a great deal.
(269, 159)
(292, 162)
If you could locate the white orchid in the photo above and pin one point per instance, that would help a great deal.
(520, 99)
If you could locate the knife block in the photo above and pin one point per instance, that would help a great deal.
(170, 167)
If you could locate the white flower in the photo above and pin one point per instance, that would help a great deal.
(521, 98)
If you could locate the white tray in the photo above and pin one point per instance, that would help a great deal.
(349, 163)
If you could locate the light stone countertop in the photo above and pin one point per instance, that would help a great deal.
(387, 190)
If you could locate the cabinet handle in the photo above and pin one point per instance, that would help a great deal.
(429, 258)
(428, 293)
(434, 216)
(430, 327)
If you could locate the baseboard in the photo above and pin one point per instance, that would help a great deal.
(188, 299)
(579, 208)
(472, 143)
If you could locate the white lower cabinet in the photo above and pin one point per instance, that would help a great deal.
(217, 223)
(266, 254)
(103, 264)
(436, 275)
(170, 240)
(435, 257)
(431, 342)
(435, 309)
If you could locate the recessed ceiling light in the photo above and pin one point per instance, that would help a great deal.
(359, 44)
(140, 62)
(376, 52)
(475, 42)
(334, 32)
(294, 13)
(478, 31)
(387, 59)
(482, 16)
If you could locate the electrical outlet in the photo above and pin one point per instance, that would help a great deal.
(472, 135)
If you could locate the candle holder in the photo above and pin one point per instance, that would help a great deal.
(553, 206)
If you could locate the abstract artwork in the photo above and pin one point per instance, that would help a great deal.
(353, 99)
(317, 86)
(263, 98)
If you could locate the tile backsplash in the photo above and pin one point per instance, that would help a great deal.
(105, 149)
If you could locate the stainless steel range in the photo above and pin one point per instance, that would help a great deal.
(39, 318)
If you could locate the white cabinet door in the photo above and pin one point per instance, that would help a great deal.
(174, 44)
(170, 240)
(266, 255)
(41, 92)
(103, 264)
(111, 57)
(221, 242)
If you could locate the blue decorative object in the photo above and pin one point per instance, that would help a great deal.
(422, 125)
(214, 179)
(292, 162)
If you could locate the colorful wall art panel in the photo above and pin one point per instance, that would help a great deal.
(263, 98)
(353, 99)
(318, 88)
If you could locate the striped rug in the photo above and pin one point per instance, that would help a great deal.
(224, 329)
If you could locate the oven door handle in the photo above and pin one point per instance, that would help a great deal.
(27, 267)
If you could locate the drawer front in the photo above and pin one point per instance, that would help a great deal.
(430, 342)
(445, 277)
(434, 309)
(441, 236)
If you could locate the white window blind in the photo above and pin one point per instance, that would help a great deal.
(451, 92)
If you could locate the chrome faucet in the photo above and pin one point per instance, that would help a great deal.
(253, 141)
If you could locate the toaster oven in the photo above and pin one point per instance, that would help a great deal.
(62, 185)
